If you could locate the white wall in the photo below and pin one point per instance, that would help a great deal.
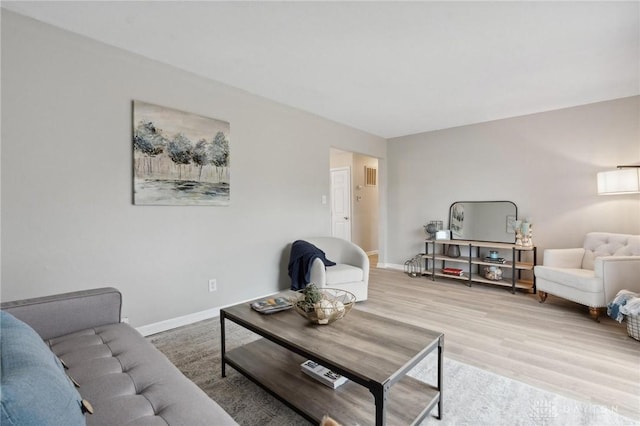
(546, 163)
(68, 222)
(339, 158)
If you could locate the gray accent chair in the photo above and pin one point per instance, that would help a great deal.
(124, 377)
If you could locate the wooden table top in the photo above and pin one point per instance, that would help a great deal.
(363, 344)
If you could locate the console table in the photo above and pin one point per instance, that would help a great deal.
(521, 259)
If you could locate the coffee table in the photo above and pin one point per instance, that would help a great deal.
(374, 352)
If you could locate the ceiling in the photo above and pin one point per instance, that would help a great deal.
(388, 68)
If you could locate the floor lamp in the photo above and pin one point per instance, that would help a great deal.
(624, 180)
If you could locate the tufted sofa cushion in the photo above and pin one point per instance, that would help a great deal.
(128, 381)
(600, 244)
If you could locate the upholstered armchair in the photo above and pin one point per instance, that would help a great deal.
(351, 272)
(591, 275)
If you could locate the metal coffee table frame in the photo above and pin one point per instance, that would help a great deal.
(286, 333)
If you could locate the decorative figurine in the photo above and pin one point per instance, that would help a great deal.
(431, 230)
(524, 232)
(530, 236)
(517, 227)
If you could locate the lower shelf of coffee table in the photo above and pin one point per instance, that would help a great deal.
(278, 371)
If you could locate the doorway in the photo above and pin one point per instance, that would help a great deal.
(363, 199)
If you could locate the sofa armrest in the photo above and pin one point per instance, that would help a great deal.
(618, 273)
(563, 258)
(60, 314)
(358, 257)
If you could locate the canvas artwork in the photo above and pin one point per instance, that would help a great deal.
(179, 158)
(511, 222)
(457, 220)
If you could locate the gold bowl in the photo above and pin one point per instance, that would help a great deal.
(323, 305)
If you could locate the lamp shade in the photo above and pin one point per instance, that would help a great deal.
(621, 181)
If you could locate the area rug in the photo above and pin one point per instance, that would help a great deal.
(472, 396)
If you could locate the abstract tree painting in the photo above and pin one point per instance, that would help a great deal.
(179, 158)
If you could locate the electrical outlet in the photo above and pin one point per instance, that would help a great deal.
(213, 285)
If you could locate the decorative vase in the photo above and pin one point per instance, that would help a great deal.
(493, 273)
(453, 251)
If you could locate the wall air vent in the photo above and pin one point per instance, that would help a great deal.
(370, 176)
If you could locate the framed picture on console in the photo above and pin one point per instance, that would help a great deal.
(457, 219)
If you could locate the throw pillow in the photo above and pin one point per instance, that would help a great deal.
(34, 387)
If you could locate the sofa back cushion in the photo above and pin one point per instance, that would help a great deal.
(66, 313)
(598, 244)
(35, 388)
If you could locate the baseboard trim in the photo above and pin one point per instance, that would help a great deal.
(391, 266)
(158, 327)
(170, 324)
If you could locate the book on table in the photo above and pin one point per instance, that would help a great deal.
(453, 271)
(495, 259)
(271, 305)
(322, 374)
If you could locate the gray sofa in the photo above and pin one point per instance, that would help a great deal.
(126, 380)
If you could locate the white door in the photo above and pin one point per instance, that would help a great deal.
(341, 203)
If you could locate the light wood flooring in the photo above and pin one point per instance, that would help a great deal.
(553, 346)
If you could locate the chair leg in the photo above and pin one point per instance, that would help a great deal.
(542, 296)
(594, 313)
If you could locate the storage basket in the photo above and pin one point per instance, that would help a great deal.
(633, 326)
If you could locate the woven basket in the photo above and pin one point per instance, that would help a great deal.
(334, 304)
(633, 326)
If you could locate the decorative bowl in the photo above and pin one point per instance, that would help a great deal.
(323, 305)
